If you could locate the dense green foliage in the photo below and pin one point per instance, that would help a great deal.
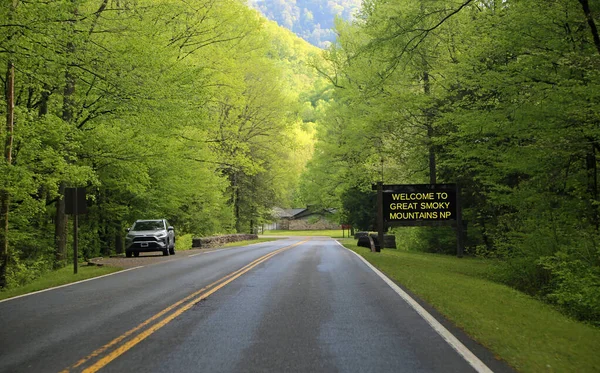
(313, 20)
(498, 96)
(160, 108)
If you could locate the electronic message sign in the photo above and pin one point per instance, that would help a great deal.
(419, 203)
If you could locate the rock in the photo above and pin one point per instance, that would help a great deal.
(361, 234)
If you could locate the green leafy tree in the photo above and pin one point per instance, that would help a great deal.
(498, 96)
(188, 111)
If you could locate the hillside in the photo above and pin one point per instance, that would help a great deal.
(312, 20)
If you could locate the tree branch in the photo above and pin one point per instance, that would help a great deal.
(590, 19)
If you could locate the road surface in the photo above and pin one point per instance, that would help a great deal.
(292, 305)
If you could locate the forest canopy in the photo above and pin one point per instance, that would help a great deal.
(500, 97)
(159, 108)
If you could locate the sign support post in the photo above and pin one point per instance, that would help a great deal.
(75, 240)
(459, 225)
(380, 214)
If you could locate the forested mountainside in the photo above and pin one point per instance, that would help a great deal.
(199, 113)
(313, 20)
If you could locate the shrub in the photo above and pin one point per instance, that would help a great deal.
(183, 242)
(575, 286)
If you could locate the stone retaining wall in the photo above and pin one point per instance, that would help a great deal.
(209, 242)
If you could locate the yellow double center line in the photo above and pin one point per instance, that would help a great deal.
(195, 297)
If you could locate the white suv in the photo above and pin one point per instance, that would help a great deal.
(150, 235)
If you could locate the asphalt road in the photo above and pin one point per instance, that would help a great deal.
(293, 305)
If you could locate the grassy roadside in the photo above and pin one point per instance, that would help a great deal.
(56, 278)
(335, 233)
(530, 335)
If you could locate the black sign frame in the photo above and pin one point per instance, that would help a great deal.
(384, 193)
(419, 204)
(75, 201)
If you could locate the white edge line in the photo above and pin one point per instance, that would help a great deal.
(457, 345)
(72, 283)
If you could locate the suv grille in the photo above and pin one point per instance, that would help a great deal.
(145, 239)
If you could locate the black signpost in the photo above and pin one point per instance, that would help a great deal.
(380, 215)
(75, 204)
(420, 205)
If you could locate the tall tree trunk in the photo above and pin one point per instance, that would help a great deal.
(429, 126)
(8, 147)
(118, 240)
(434, 240)
(60, 218)
(4, 194)
(428, 114)
(43, 106)
(592, 171)
(4, 254)
(236, 205)
(69, 90)
(60, 230)
(591, 22)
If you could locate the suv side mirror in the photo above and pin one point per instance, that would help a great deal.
(128, 229)
(171, 228)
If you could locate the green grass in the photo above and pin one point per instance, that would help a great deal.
(527, 333)
(335, 233)
(58, 277)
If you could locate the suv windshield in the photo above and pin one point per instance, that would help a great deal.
(152, 225)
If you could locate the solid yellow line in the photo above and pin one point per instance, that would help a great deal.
(158, 315)
(122, 349)
(140, 337)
